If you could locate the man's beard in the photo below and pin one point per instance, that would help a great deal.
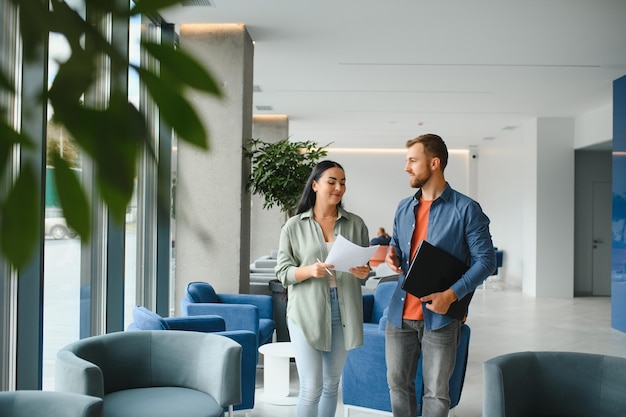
(420, 182)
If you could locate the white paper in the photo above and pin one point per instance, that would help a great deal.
(345, 254)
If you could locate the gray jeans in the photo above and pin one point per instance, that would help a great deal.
(403, 348)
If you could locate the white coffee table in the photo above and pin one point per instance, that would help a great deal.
(276, 365)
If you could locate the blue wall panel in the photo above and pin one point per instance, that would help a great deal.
(618, 264)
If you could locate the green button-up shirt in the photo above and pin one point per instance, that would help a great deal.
(302, 243)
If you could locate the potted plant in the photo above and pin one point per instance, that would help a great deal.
(280, 170)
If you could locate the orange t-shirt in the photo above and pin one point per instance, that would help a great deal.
(413, 305)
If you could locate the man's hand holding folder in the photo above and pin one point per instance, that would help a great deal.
(430, 276)
(439, 302)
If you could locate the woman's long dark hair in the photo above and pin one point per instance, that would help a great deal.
(308, 195)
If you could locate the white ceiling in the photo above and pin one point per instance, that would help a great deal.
(363, 73)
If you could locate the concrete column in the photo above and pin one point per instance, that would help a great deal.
(265, 224)
(548, 191)
(212, 206)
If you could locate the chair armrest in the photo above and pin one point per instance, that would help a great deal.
(249, 359)
(236, 316)
(260, 301)
(205, 324)
(74, 374)
(218, 369)
(509, 384)
(382, 323)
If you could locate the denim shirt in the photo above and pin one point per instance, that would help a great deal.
(456, 224)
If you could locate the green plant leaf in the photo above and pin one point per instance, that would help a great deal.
(5, 84)
(72, 197)
(19, 220)
(9, 138)
(63, 19)
(73, 78)
(183, 67)
(34, 20)
(175, 109)
(112, 138)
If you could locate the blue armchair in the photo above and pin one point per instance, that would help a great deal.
(145, 319)
(364, 380)
(375, 305)
(154, 373)
(240, 311)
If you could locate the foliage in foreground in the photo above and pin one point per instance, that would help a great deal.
(112, 135)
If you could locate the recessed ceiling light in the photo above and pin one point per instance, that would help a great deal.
(489, 138)
(509, 128)
(264, 108)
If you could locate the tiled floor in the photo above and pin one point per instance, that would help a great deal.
(504, 320)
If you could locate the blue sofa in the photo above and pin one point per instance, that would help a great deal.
(145, 319)
(364, 380)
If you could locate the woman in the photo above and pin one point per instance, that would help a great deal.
(321, 331)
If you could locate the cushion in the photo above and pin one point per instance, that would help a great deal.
(201, 292)
(266, 330)
(145, 319)
(158, 402)
(265, 263)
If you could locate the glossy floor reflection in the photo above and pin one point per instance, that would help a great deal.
(504, 320)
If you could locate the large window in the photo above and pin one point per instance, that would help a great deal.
(8, 283)
(87, 287)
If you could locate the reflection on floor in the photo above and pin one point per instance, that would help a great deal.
(504, 320)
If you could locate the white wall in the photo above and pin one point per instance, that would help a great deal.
(555, 208)
(526, 186)
(501, 174)
(595, 126)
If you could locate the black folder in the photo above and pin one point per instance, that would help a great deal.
(435, 270)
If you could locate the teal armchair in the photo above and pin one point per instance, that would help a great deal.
(145, 319)
(154, 373)
(564, 384)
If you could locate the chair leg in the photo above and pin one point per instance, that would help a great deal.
(230, 411)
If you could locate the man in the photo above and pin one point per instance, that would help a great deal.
(382, 238)
(456, 224)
